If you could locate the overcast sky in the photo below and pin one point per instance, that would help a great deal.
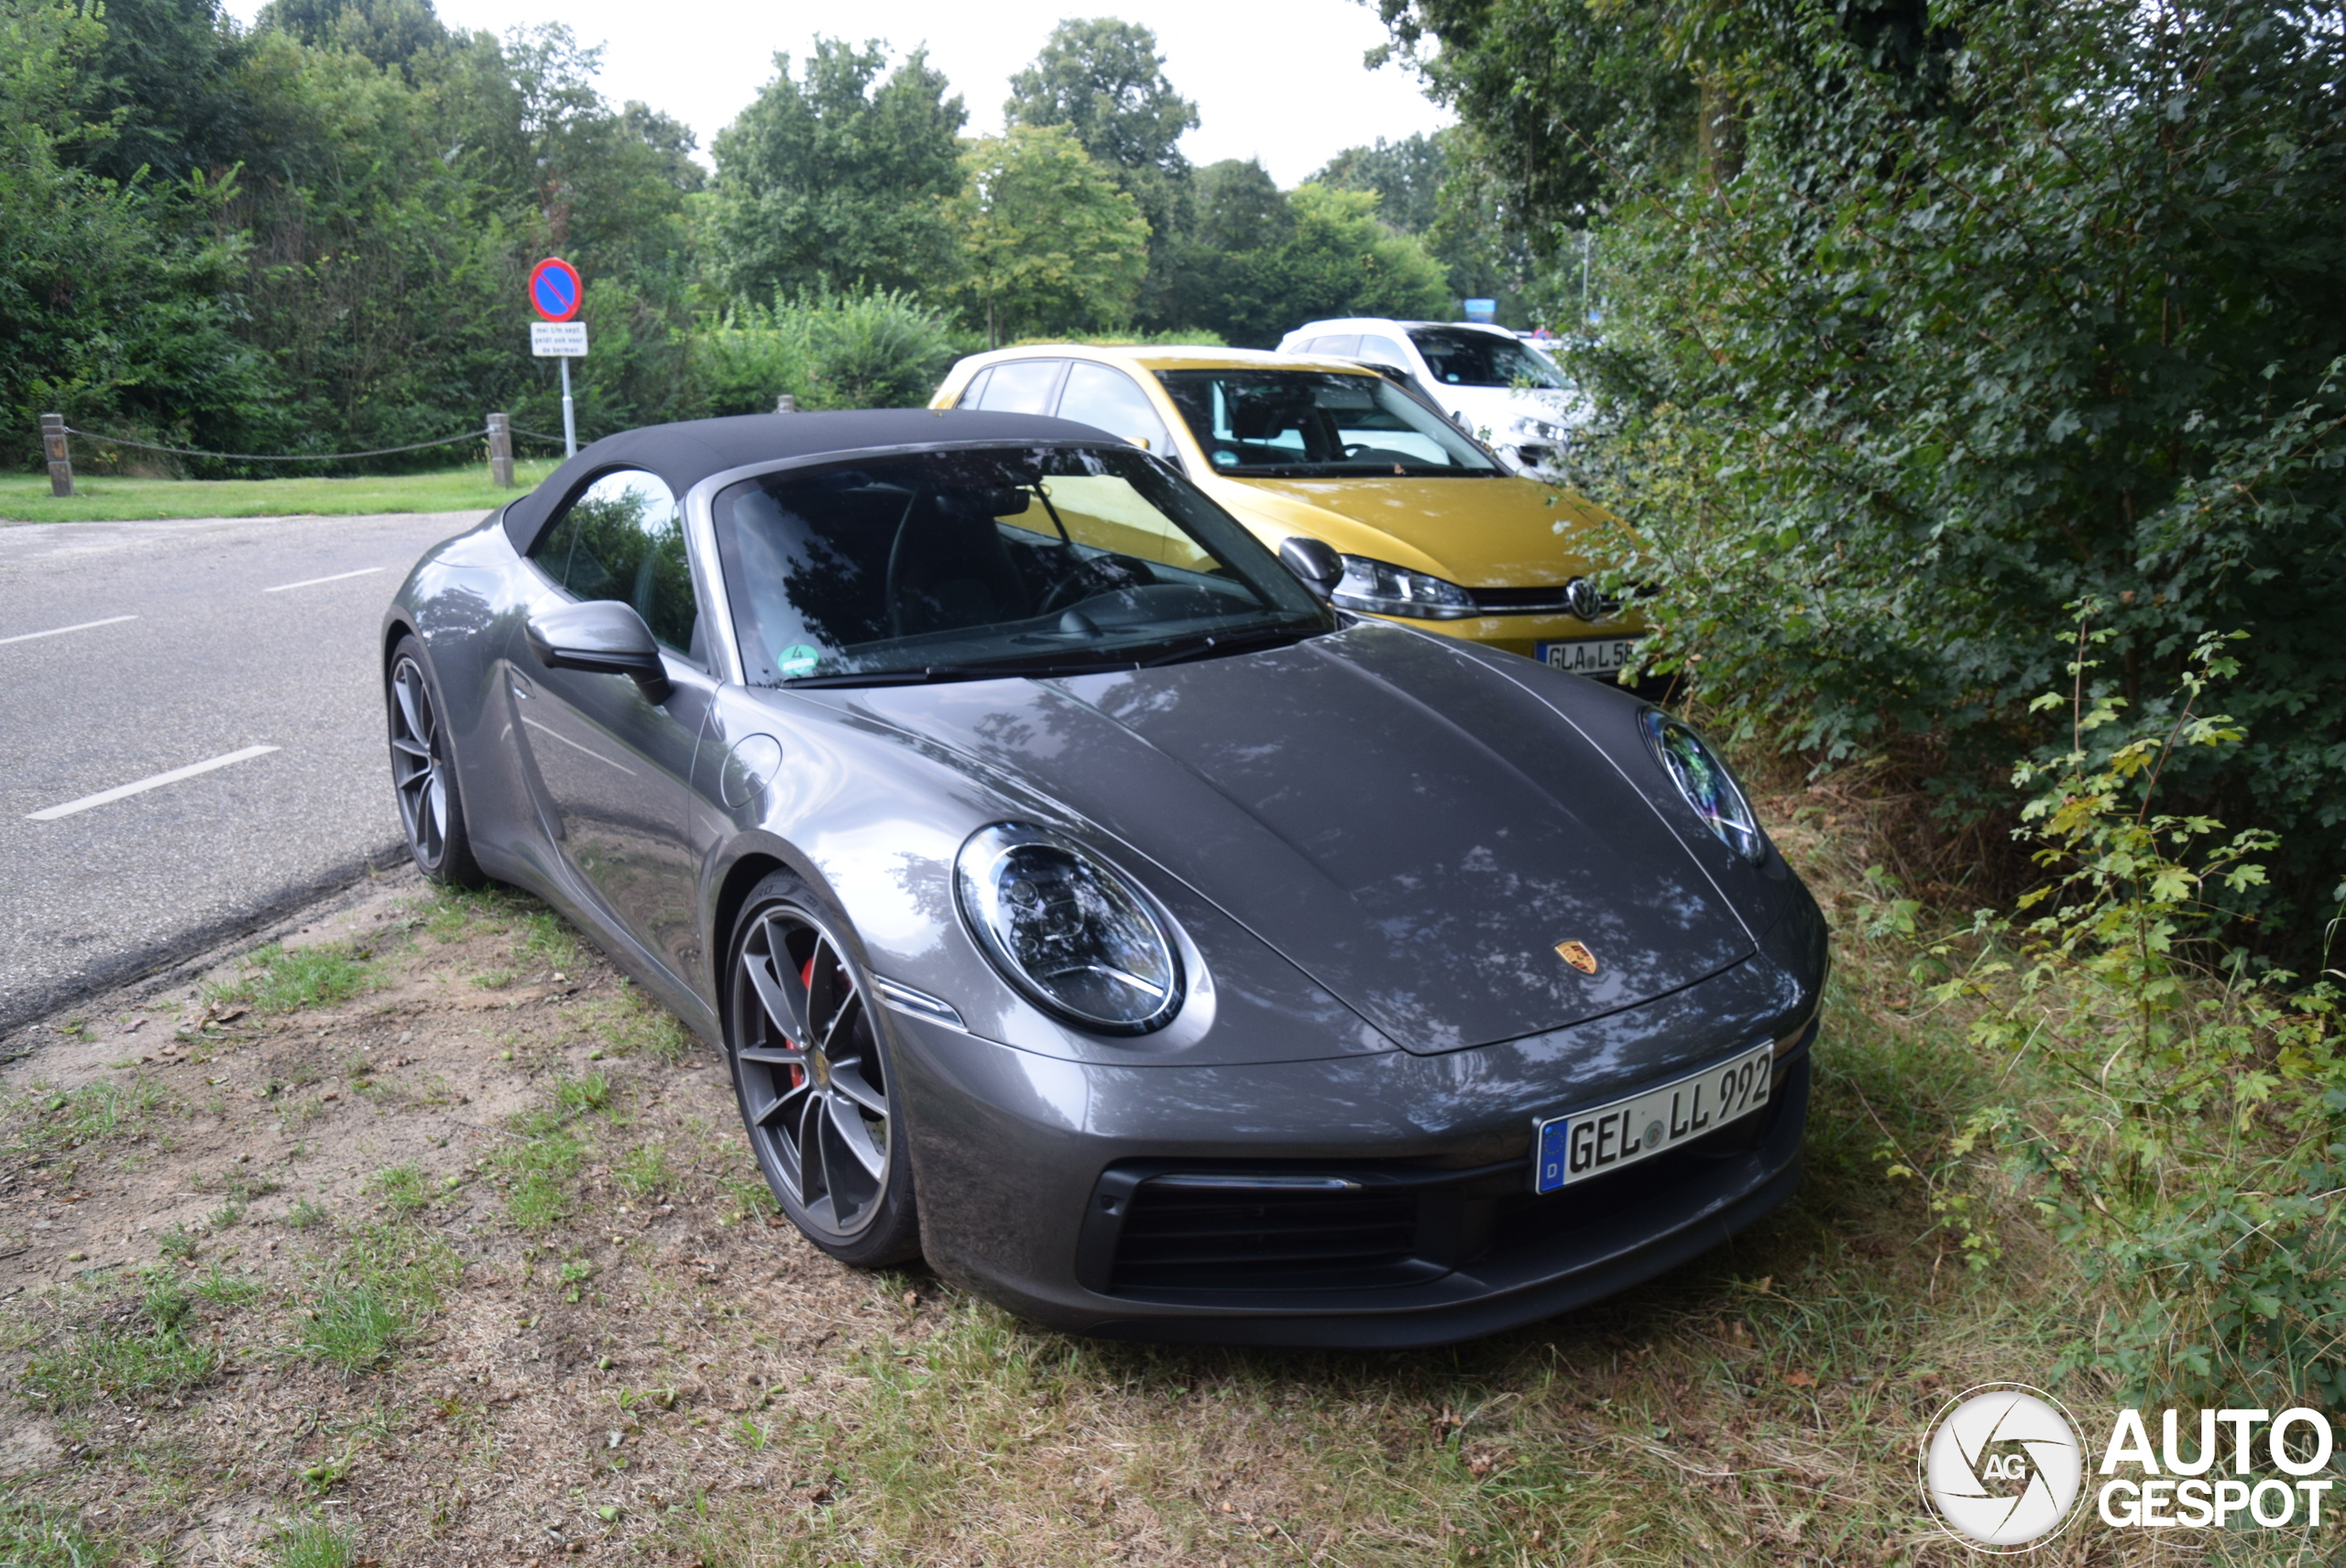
(1277, 80)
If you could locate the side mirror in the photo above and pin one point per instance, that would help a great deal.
(1311, 560)
(603, 637)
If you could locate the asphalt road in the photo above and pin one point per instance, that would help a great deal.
(197, 660)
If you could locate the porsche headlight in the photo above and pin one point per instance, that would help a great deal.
(1708, 787)
(1068, 930)
(1382, 588)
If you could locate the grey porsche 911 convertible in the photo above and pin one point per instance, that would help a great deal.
(1079, 901)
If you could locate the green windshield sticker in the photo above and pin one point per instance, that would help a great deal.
(799, 659)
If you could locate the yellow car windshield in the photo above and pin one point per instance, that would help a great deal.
(1314, 423)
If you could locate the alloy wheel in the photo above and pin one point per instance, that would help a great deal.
(813, 1090)
(417, 769)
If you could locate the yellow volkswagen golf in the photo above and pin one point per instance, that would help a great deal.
(1363, 488)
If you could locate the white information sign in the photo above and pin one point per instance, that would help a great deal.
(558, 340)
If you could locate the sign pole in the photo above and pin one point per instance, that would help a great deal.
(556, 293)
(569, 419)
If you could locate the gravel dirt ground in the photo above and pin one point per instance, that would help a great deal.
(560, 1385)
(415, 1235)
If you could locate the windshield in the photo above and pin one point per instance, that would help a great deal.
(1306, 423)
(947, 566)
(1459, 357)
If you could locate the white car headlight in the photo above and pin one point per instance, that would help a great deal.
(1381, 589)
(1706, 784)
(1068, 930)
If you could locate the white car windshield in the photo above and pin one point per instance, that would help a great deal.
(1316, 423)
(1459, 357)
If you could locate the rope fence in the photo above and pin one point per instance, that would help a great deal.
(499, 432)
(277, 456)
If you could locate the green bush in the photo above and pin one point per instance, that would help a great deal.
(830, 349)
(1920, 324)
(872, 350)
(2183, 1141)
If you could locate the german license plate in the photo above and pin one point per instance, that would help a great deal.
(1592, 1143)
(1587, 656)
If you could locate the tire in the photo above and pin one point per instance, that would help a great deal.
(812, 1077)
(431, 813)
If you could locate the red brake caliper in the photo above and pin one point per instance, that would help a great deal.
(806, 978)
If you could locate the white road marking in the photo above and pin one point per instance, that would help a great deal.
(108, 796)
(61, 630)
(313, 582)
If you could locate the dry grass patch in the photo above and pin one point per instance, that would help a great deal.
(482, 1273)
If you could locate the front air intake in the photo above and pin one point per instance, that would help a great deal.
(1223, 1234)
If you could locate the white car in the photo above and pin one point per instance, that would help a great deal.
(1505, 391)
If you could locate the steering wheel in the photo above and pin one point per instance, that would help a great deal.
(1100, 574)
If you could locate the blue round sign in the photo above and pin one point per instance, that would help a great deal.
(554, 290)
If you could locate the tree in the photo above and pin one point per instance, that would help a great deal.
(1407, 176)
(1258, 263)
(1423, 190)
(116, 300)
(1105, 81)
(830, 181)
(389, 32)
(1050, 244)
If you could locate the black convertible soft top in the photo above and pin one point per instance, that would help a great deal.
(688, 452)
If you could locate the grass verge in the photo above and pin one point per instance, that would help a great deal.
(285, 979)
(138, 1349)
(25, 497)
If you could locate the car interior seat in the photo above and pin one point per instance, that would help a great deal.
(947, 568)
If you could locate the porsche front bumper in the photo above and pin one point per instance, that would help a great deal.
(1379, 1200)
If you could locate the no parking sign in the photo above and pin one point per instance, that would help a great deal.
(554, 290)
(556, 293)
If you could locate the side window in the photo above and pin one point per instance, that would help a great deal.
(1384, 351)
(973, 395)
(623, 538)
(1021, 387)
(1107, 399)
(1342, 347)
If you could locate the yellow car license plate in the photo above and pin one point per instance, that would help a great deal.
(1587, 656)
(1591, 1142)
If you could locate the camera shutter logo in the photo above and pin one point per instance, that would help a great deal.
(2002, 1466)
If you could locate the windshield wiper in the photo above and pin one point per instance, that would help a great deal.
(1198, 645)
(924, 674)
(1209, 644)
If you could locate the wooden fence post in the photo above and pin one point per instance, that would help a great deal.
(500, 451)
(60, 456)
(785, 404)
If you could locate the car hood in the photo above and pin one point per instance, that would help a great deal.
(1495, 532)
(1408, 826)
